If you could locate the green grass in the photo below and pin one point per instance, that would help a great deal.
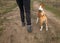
(54, 10)
(7, 6)
(6, 10)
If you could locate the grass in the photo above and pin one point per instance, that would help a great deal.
(6, 6)
(57, 14)
(1, 30)
(54, 10)
(2, 20)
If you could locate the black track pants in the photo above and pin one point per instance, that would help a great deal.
(24, 5)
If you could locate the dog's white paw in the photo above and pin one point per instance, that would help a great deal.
(46, 29)
(40, 29)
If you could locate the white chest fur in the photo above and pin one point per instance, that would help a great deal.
(40, 8)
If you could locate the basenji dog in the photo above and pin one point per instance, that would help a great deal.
(42, 18)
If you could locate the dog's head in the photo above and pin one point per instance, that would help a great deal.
(41, 6)
(40, 10)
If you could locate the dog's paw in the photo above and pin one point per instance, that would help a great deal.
(40, 29)
(46, 29)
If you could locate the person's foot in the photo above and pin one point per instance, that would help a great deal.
(29, 29)
(23, 24)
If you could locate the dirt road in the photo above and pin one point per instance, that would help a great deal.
(15, 33)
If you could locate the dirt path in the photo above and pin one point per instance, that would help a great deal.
(15, 33)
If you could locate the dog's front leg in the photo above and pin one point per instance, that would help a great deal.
(41, 28)
(46, 28)
(37, 20)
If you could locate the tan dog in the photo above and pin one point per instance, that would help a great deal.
(42, 18)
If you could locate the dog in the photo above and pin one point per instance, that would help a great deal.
(42, 18)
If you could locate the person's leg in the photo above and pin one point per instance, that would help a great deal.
(20, 4)
(27, 10)
(28, 15)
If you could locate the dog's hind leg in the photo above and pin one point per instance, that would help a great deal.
(46, 26)
(37, 20)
